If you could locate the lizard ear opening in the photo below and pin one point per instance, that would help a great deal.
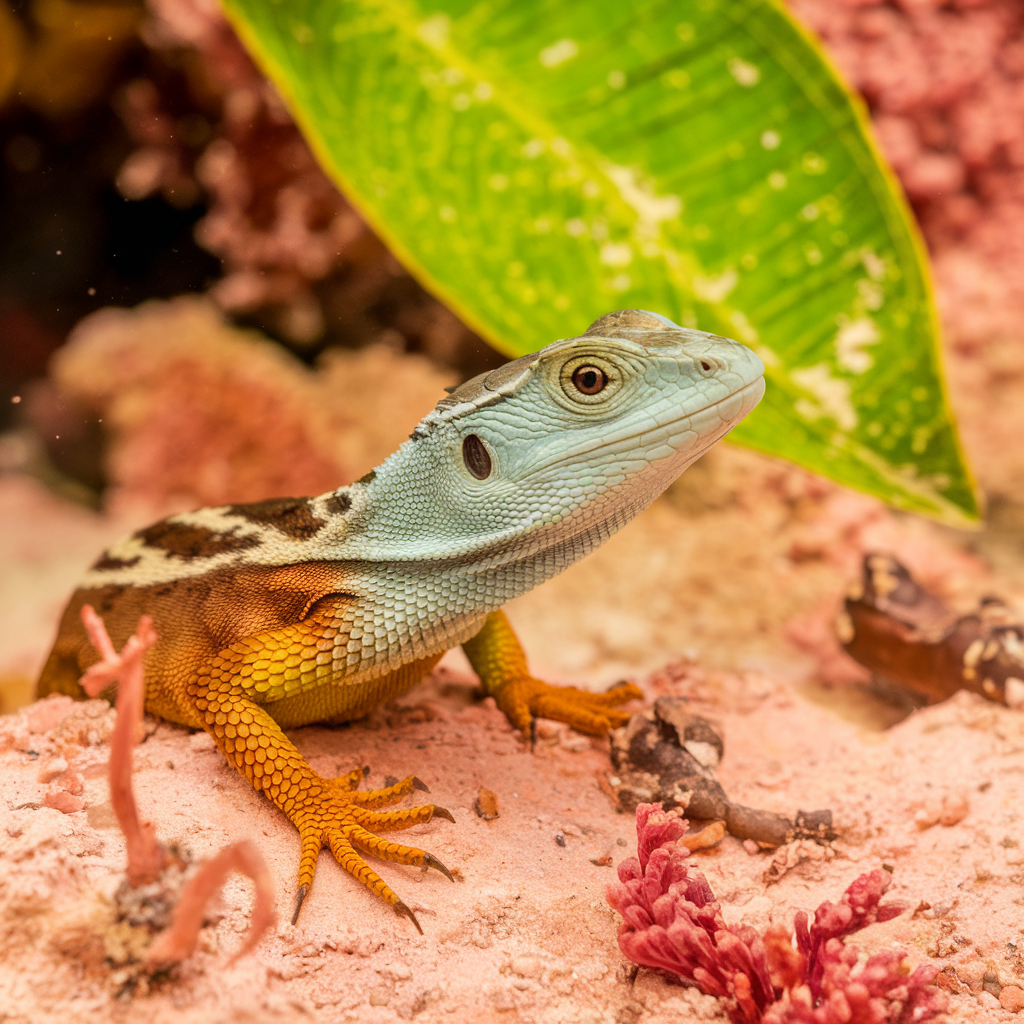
(476, 456)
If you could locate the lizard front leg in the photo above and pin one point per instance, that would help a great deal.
(227, 694)
(498, 659)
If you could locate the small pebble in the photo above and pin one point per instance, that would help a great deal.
(1012, 998)
(954, 809)
(61, 801)
(71, 782)
(990, 983)
(710, 835)
(751, 847)
(560, 839)
(971, 974)
(53, 768)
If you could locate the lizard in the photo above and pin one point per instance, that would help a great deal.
(289, 611)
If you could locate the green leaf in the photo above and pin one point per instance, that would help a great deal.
(537, 163)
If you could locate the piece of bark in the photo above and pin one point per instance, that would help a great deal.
(486, 804)
(899, 631)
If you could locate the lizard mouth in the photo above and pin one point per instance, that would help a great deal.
(747, 391)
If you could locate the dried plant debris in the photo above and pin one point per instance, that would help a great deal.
(668, 755)
(161, 905)
(904, 634)
(672, 923)
(486, 804)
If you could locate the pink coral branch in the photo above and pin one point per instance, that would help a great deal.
(179, 940)
(672, 922)
(146, 857)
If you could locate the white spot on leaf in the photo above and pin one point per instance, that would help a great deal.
(616, 79)
(616, 254)
(747, 333)
(874, 265)
(813, 163)
(715, 289)
(558, 53)
(776, 180)
(770, 139)
(533, 149)
(832, 396)
(434, 31)
(870, 294)
(651, 209)
(852, 338)
(745, 73)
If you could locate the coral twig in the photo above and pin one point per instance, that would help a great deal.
(179, 941)
(672, 922)
(146, 857)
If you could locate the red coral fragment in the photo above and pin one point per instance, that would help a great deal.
(146, 857)
(672, 922)
(179, 941)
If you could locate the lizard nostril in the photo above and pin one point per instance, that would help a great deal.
(476, 456)
(705, 366)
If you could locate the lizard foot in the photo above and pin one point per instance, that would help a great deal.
(526, 698)
(344, 819)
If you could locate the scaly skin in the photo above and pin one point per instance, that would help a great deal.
(293, 611)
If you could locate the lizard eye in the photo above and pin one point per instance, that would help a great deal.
(589, 380)
(476, 456)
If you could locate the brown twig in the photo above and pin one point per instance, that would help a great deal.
(146, 857)
(179, 940)
(668, 755)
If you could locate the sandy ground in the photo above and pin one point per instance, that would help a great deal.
(524, 934)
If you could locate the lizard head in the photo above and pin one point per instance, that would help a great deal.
(588, 429)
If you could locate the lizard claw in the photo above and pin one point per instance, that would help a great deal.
(347, 821)
(299, 897)
(431, 861)
(403, 911)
